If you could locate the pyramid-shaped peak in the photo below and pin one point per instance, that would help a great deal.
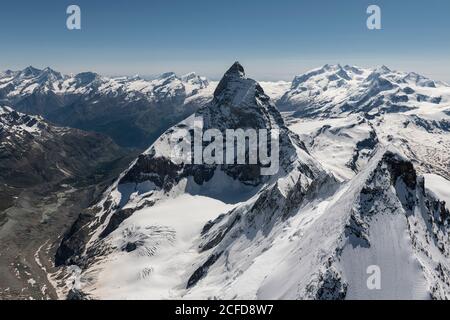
(30, 71)
(235, 74)
(50, 73)
(382, 69)
(50, 70)
(236, 69)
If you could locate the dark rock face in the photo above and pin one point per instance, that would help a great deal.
(201, 272)
(130, 247)
(116, 219)
(77, 295)
(160, 171)
(220, 235)
(357, 231)
(235, 71)
(73, 242)
(240, 102)
(332, 286)
(431, 126)
(369, 143)
(400, 168)
(392, 171)
(439, 218)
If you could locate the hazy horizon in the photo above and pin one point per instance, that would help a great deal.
(250, 72)
(274, 41)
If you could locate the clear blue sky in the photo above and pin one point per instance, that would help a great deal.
(273, 39)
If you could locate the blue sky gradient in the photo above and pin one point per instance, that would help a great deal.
(272, 39)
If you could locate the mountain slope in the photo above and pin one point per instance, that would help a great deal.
(33, 151)
(47, 175)
(383, 217)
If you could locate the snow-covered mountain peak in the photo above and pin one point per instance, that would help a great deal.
(167, 75)
(50, 71)
(189, 76)
(382, 69)
(235, 70)
(195, 80)
(7, 73)
(419, 80)
(240, 102)
(49, 76)
(231, 81)
(29, 72)
(330, 73)
(333, 90)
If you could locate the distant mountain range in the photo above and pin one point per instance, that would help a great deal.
(132, 111)
(334, 90)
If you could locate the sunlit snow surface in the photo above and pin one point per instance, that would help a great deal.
(172, 228)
